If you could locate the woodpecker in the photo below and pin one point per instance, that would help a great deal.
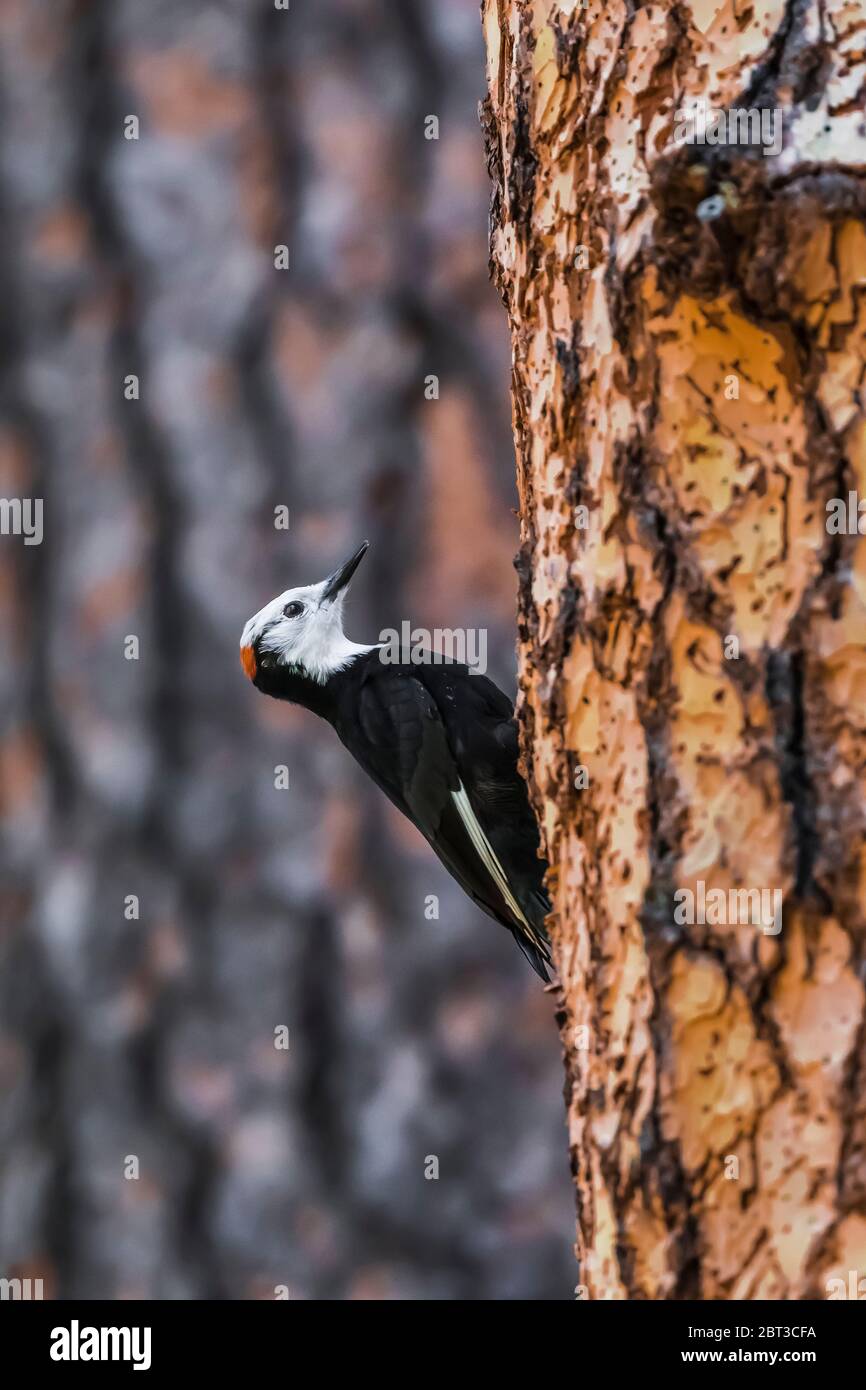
(440, 742)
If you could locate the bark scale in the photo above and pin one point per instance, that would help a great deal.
(688, 325)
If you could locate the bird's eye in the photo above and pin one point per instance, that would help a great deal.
(293, 610)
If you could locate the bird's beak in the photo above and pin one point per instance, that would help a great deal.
(339, 580)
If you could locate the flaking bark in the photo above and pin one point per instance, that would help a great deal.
(688, 330)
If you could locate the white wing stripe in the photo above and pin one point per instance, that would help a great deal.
(485, 852)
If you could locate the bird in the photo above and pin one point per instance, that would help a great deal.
(440, 741)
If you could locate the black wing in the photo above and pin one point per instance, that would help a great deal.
(405, 748)
(482, 732)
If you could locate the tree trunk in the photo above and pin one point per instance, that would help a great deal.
(688, 325)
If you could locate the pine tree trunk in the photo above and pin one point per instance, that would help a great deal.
(688, 328)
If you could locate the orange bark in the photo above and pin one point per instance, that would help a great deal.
(689, 340)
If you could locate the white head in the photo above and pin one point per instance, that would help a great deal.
(303, 629)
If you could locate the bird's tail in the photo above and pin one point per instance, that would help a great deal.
(531, 935)
(537, 951)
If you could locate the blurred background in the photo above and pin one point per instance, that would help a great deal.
(165, 907)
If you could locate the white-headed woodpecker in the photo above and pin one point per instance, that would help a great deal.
(439, 741)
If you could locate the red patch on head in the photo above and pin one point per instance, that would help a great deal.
(248, 661)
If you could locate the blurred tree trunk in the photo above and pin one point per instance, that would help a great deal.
(171, 914)
(688, 328)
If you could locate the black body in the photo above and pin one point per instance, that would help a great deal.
(420, 730)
